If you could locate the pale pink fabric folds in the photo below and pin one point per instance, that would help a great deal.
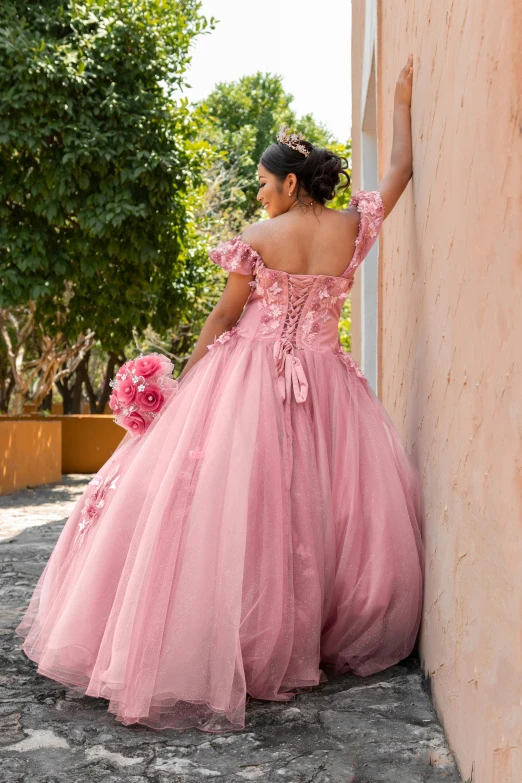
(266, 529)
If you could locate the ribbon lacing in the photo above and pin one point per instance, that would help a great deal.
(290, 372)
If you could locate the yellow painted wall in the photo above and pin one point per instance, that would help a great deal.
(37, 450)
(450, 357)
(88, 441)
(57, 408)
(30, 453)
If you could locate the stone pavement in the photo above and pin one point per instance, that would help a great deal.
(378, 729)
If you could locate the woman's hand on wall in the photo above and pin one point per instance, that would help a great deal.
(404, 82)
(401, 154)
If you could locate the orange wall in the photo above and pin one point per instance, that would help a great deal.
(30, 454)
(88, 441)
(450, 357)
(57, 408)
(36, 450)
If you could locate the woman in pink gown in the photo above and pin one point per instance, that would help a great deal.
(267, 526)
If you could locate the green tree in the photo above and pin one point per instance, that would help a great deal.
(99, 160)
(241, 120)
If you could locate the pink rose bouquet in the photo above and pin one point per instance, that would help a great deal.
(139, 391)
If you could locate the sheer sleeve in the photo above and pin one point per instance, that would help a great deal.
(234, 255)
(371, 209)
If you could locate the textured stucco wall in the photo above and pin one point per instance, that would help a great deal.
(450, 349)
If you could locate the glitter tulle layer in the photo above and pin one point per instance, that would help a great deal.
(242, 545)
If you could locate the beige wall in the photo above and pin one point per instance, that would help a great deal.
(450, 338)
(357, 63)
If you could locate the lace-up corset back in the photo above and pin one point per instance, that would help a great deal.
(297, 311)
(298, 292)
(301, 310)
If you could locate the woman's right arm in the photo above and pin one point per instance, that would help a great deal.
(223, 317)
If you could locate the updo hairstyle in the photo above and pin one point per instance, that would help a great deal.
(318, 173)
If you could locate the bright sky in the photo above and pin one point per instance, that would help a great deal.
(307, 43)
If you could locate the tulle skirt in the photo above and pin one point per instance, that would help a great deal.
(246, 544)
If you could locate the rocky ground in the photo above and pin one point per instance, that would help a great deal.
(378, 729)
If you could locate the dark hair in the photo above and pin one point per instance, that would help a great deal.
(317, 173)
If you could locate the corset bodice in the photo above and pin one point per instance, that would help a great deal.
(301, 311)
(295, 313)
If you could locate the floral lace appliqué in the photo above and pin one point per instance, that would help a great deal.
(272, 302)
(369, 205)
(234, 255)
(321, 308)
(349, 361)
(226, 336)
(94, 503)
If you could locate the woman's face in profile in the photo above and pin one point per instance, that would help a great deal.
(272, 193)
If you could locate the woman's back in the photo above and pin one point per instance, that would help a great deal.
(316, 243)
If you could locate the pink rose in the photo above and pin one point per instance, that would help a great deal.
(126, 391)
(147, 365)
(135, 423)
(114, 403)
(125, 369)
(150, 399)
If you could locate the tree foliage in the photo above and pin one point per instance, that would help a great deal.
(99, 162)
(113, 187)
(241, 120)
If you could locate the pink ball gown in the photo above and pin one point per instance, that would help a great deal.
(265, 528)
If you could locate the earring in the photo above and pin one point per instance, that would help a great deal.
(289, 194)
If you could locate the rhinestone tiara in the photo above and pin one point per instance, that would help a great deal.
(292, 140)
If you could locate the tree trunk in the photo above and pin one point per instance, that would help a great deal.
(66, 394)
(47, 402)
(77, 388)
(91, 395)
(105, 391)
(6, 389)
(97, 402)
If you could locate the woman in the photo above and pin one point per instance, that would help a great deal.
(266, 527)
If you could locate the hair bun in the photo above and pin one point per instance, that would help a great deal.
(318, 173)
(325, 177)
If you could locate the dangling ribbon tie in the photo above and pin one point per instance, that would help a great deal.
(290, 372)
(291, 375)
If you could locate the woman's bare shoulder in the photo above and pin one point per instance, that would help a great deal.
(262, 235)
(255, 232)
(351, 211)
(344, 220)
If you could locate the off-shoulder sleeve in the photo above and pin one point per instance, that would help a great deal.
(369, 205)
(234, 255)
